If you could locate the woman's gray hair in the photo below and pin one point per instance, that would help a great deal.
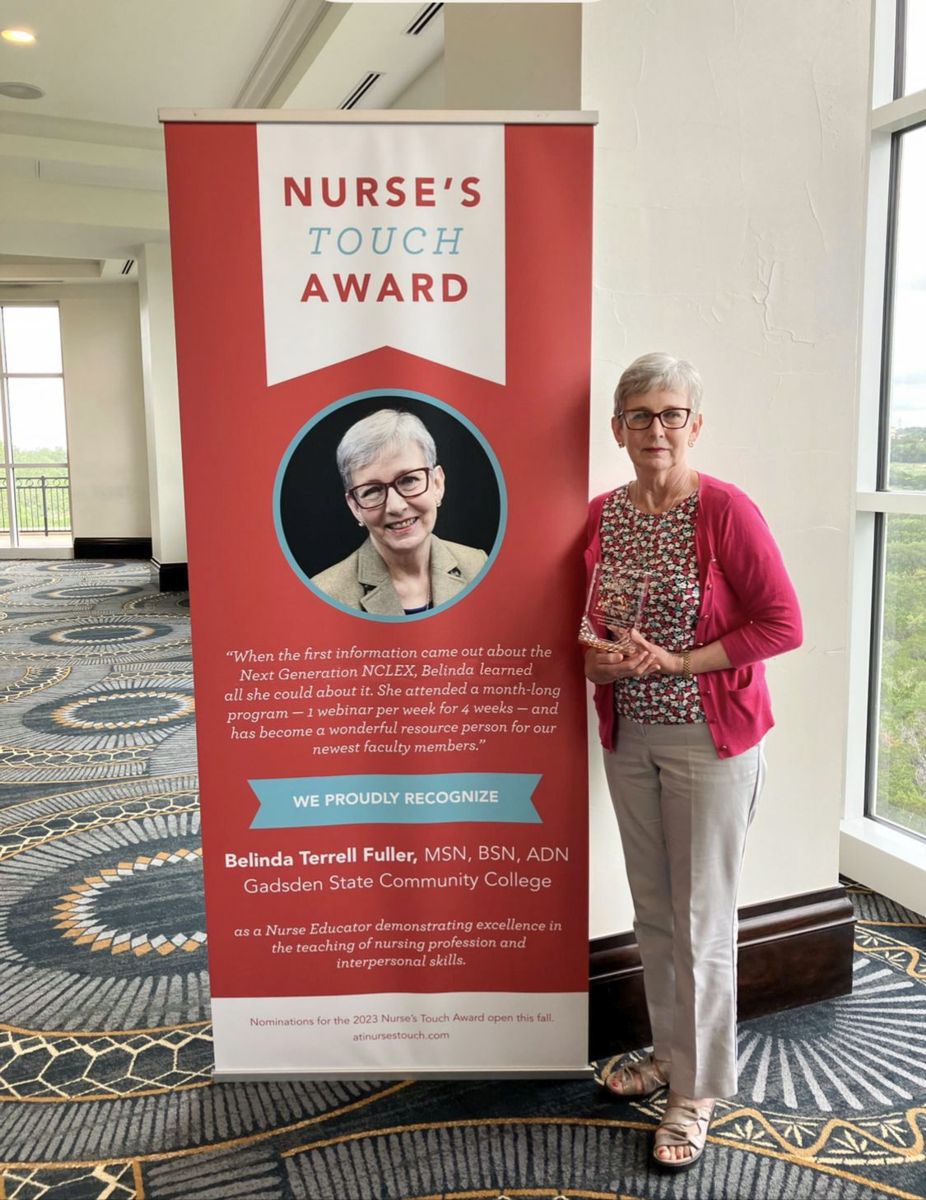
(385, 430)
(658, 373)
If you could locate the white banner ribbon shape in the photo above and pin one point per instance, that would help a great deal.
(382, 235)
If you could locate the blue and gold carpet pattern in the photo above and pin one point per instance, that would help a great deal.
(105, 1047)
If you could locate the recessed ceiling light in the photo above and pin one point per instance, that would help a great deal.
(19, 37)
(21, 91)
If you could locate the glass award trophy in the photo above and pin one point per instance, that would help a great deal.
(617, 597)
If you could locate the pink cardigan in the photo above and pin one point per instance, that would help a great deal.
(747, 601)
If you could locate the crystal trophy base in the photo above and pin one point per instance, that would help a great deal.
(588, 637)
(615, 604)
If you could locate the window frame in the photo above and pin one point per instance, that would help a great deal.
(8, 465)
(873, 850)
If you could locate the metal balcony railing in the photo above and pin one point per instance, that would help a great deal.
(43, 505)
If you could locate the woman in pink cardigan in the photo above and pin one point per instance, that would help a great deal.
(683, 707)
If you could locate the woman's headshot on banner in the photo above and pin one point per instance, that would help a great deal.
(390, 506)
(394, 486)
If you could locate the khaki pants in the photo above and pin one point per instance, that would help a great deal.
(683, 815)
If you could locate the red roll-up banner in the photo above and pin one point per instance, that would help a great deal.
(383, 335)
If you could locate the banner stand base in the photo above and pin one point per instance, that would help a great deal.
(371, 1073)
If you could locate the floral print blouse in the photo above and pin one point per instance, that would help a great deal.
(664, 545)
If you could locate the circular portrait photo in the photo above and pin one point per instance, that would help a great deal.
(390, 505)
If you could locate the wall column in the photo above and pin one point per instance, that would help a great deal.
(162, 415)
(509, 56)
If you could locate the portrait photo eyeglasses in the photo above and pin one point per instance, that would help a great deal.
(642, 418)
(407, 484)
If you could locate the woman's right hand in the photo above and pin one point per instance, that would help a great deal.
(607, 666)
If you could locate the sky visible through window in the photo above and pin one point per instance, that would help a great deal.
(32, 346)
(908, 350)
(915, 46)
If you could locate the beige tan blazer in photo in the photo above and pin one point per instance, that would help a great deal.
(362, 579)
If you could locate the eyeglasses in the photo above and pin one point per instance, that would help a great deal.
(373, 493)
(642, 418)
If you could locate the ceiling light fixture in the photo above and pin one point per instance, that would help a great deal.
(21, 91)
(19, 37)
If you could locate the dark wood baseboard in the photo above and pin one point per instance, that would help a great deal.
(791, 952)
(172, 577)
(87, 547)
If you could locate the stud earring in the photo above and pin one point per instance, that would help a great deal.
(620, 445)
(690, 442)
(360, 523)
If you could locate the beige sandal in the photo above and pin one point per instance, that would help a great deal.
(640, 1078)
(683, 1124)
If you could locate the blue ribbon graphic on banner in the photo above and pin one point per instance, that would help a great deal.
(395, 799)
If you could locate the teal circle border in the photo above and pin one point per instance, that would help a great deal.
(399, 393)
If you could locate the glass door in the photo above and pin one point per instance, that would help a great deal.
(35, 502)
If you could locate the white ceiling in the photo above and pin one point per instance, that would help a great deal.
(81, 169)
(119, 61)
(369, 38)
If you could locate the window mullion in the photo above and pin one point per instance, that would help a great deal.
(874, 665)
(910, 503)
(5, 433)
(900, 47)
(897, 116)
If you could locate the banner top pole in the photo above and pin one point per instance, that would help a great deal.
(373, 116)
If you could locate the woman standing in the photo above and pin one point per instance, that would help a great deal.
(682, 714)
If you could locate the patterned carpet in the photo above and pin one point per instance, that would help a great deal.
(105, 1048)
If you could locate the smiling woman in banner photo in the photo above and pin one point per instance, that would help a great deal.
(394, 486)
(683, 708)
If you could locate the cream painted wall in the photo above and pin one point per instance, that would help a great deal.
(510, 56)
(105, 406)
(162, 404)
(729, 209)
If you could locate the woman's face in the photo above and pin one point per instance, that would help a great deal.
(400, 524)
(657, 448)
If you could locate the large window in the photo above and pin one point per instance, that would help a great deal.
(892, 464)
(35, 509)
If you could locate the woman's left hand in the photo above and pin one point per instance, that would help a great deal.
(661, 662)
